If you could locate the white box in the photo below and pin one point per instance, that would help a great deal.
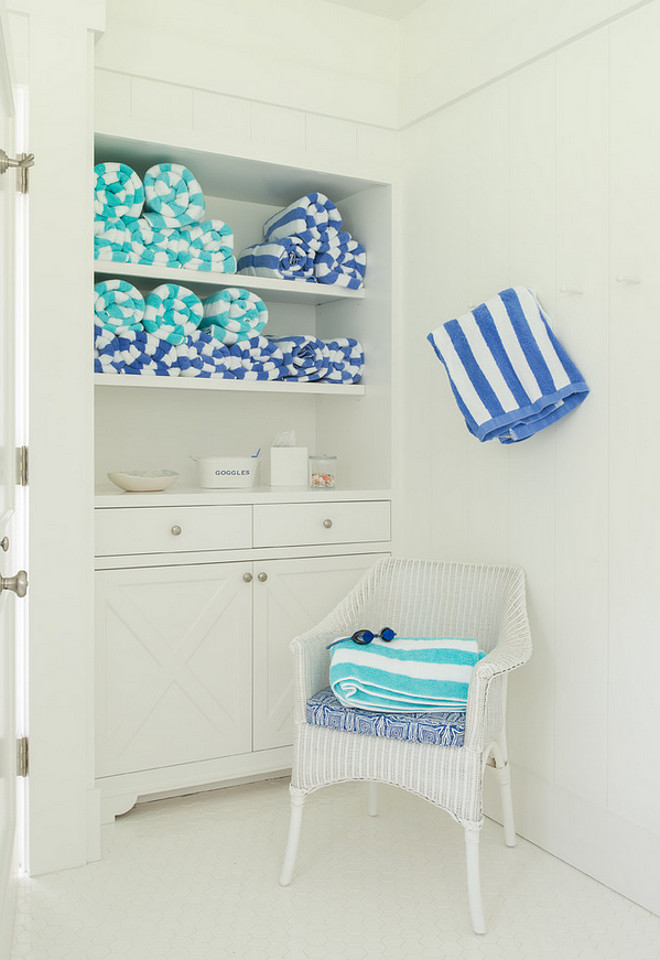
(288, 466)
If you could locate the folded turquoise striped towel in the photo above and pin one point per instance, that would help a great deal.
(407, 675)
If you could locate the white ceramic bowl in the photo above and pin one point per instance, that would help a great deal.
(143, 481)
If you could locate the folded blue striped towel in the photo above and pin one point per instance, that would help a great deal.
(312, 218)
(234, 314)
(118, 303)
(118, 191)
(285, 259)
(305, 357)
(510, 375)
(172, 195)
(208, 245)
(346, 360)
(409, 674)
(172, 312)
(341, 261)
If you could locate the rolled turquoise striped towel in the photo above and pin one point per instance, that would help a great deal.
(172, 312)
(234, 314)
(117, 304)
(112, 239)
(406, 675)
(154, 245)
(173, 197)
(208, 245)
(118, 191)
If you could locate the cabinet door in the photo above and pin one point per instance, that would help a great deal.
(173, 666)
(295, 596)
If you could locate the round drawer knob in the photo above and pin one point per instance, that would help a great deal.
(4, 543)
(327, 524)
(262, 577)
(176, 530)
(247, 577)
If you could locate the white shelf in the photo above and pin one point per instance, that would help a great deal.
(312, 388)
(278, 290)
(108, 495)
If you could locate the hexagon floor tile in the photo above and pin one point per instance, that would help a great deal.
(195, 878)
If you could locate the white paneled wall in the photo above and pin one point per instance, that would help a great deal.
(301, 54)
(551, 178)
(249, 127)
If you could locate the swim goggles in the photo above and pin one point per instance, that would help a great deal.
(362, 637)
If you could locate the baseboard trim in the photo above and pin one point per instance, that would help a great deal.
(618, 853)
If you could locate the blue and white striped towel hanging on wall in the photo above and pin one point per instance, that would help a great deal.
(510, 375)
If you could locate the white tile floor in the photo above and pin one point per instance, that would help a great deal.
(195, 878)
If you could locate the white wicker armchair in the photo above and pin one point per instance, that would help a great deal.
(419, 598)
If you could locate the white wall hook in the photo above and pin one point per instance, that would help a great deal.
(627, 279)
(571, 290)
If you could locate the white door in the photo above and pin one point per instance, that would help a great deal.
(290, 596)
(10, 523)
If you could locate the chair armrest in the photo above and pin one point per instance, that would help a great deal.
(487, 691)
(312, 660)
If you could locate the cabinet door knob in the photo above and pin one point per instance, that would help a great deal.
(247, 577)
(176, 530)
(327, 524)
(262, 577)
(4, 543)
(18, 583)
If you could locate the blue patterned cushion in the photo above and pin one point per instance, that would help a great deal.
(444, 729)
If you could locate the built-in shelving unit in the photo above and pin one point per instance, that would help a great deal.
(272, 387)
(202, 283)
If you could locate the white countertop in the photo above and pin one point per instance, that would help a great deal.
(108, 495)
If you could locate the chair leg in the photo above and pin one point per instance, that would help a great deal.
(473, 881)
(373, 798)
(503, 773)
(297, 803)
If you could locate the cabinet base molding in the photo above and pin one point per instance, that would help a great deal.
(120, 793)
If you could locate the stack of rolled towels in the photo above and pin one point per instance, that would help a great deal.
(159, 221)
(171, 332)
(305, 241)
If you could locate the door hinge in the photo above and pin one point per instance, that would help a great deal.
(22, 163)
(22, 466)
(22, 757)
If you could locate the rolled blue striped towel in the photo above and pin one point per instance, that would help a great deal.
(208, 245)
(133, 352)
(154, 245)
(118, 191)
(409, 674)
(346, 360)
(285, 259)
(509, 374)
(260, 359)
(305, 357)
(203, 356)
(172, 312)
(312, 218)
(234, 314)
(117, 304)
(341, 263)
(112, 239)
(173, 197)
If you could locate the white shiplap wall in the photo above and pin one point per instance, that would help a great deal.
(550, 178)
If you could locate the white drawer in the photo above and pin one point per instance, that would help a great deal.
(171, 529)
(291, 524)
